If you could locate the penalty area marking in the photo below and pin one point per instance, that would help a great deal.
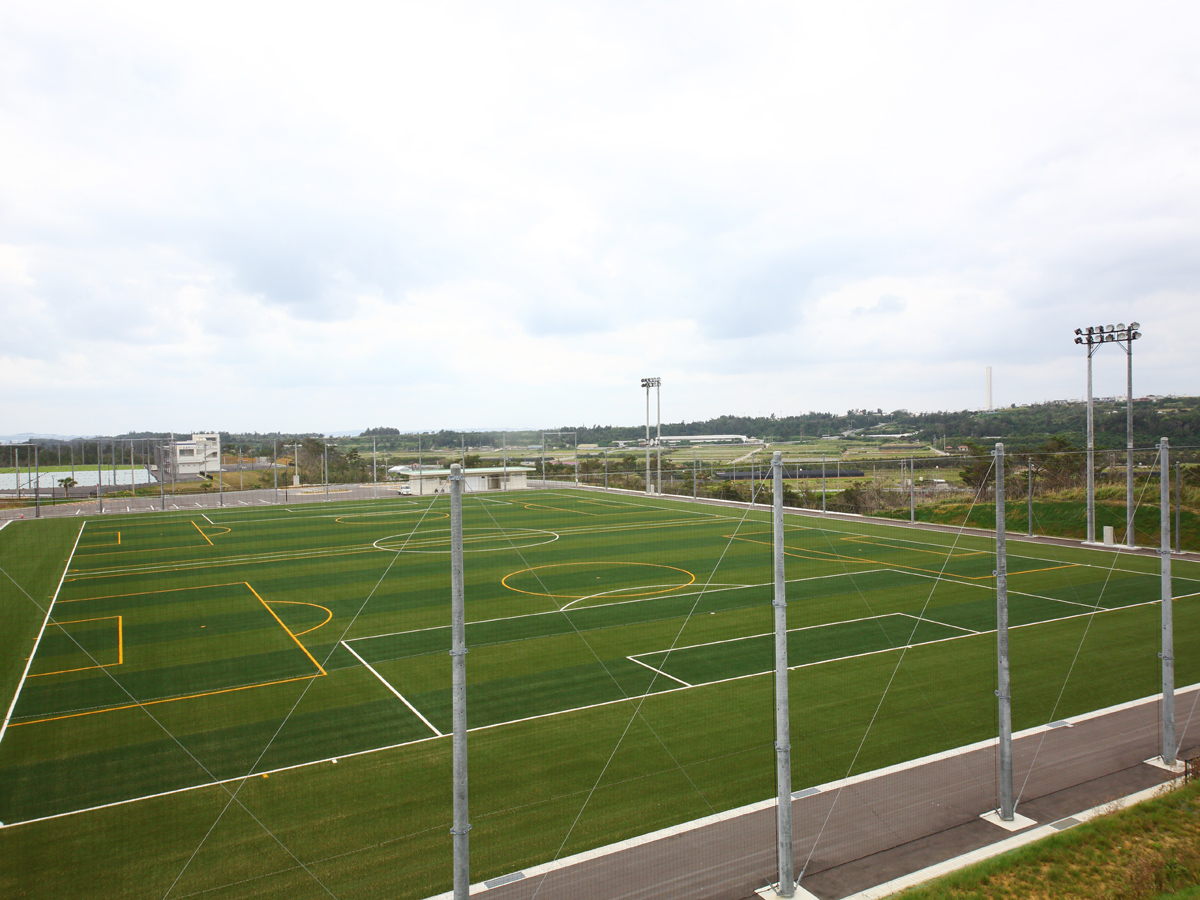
(387, 685)
(33, 653)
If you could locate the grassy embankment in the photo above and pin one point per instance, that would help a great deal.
(1064, 514)
(1151, 850)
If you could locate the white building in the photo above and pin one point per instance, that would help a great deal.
(199, 456)
(432, 481)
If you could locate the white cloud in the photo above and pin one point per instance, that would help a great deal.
(401, 212)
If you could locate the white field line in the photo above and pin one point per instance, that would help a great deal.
(5, 524)
(554, 612)
(695, 824)
(399, 696)
(33, 653)
(854, 779)
(749, 637)
(658, 671)
(207, 519)
(661, 590)
(1056, 599)
(904, 526)
(936, 622)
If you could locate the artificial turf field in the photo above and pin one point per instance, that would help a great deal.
(618, 679)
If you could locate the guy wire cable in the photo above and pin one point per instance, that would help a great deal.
(887, 687)
(296, 704)
(637, 712)
(1091, 616)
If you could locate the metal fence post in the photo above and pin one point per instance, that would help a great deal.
(783, 742)
(1003, 691)
(458, 661)
(1168, 632)
(1029, 496)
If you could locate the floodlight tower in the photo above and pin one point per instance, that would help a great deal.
(1092, 337)
(655, 383)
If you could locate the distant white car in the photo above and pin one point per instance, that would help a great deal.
(405, 489)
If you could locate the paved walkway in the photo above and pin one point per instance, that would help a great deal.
(869, 829)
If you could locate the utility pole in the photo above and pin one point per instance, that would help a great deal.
(783, 741)
(658, 434)
(100, 478)
(1004, 691)
(1029, 495)
(374, 470)
(275, 466)
(458, 660)
(912, 492)
(1168, 630)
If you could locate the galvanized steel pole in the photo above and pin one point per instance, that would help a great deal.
(912, 492)
(1168, 631)
(783, 741)
(275, 466)
(1178, 498)
(458, 673)
(1129, 532)
(1003, 691)
(374, 469)
(658, 435)
(822, 483)
(1091, 456)
(648, 491)
(100, 477)
(1029, 497)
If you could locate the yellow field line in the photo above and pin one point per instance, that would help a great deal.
(328, 613)
(202, 534)
(560, 509)
(120, 648)
(285, 628)
(192, 587)
(623, 593)
(950, 551)
(92, 712)
(217, 564)
(892, 565)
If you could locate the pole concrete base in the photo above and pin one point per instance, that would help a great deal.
(1018, 821)
(769, 893)
(1157, 761)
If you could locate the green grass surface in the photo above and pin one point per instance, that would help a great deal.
(618, 680)
(1146, 851)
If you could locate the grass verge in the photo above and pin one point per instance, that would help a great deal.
(1149, 850)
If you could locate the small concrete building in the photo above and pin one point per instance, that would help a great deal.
(199, 456)
(424, 480)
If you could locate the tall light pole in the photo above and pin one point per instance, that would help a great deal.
(648, 383)
(1092, 337)
(1131, 334)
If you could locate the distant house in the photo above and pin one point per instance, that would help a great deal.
(494, 478)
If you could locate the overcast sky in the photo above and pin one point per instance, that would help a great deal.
(483, 215)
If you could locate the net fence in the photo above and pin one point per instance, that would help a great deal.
(248, 693)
